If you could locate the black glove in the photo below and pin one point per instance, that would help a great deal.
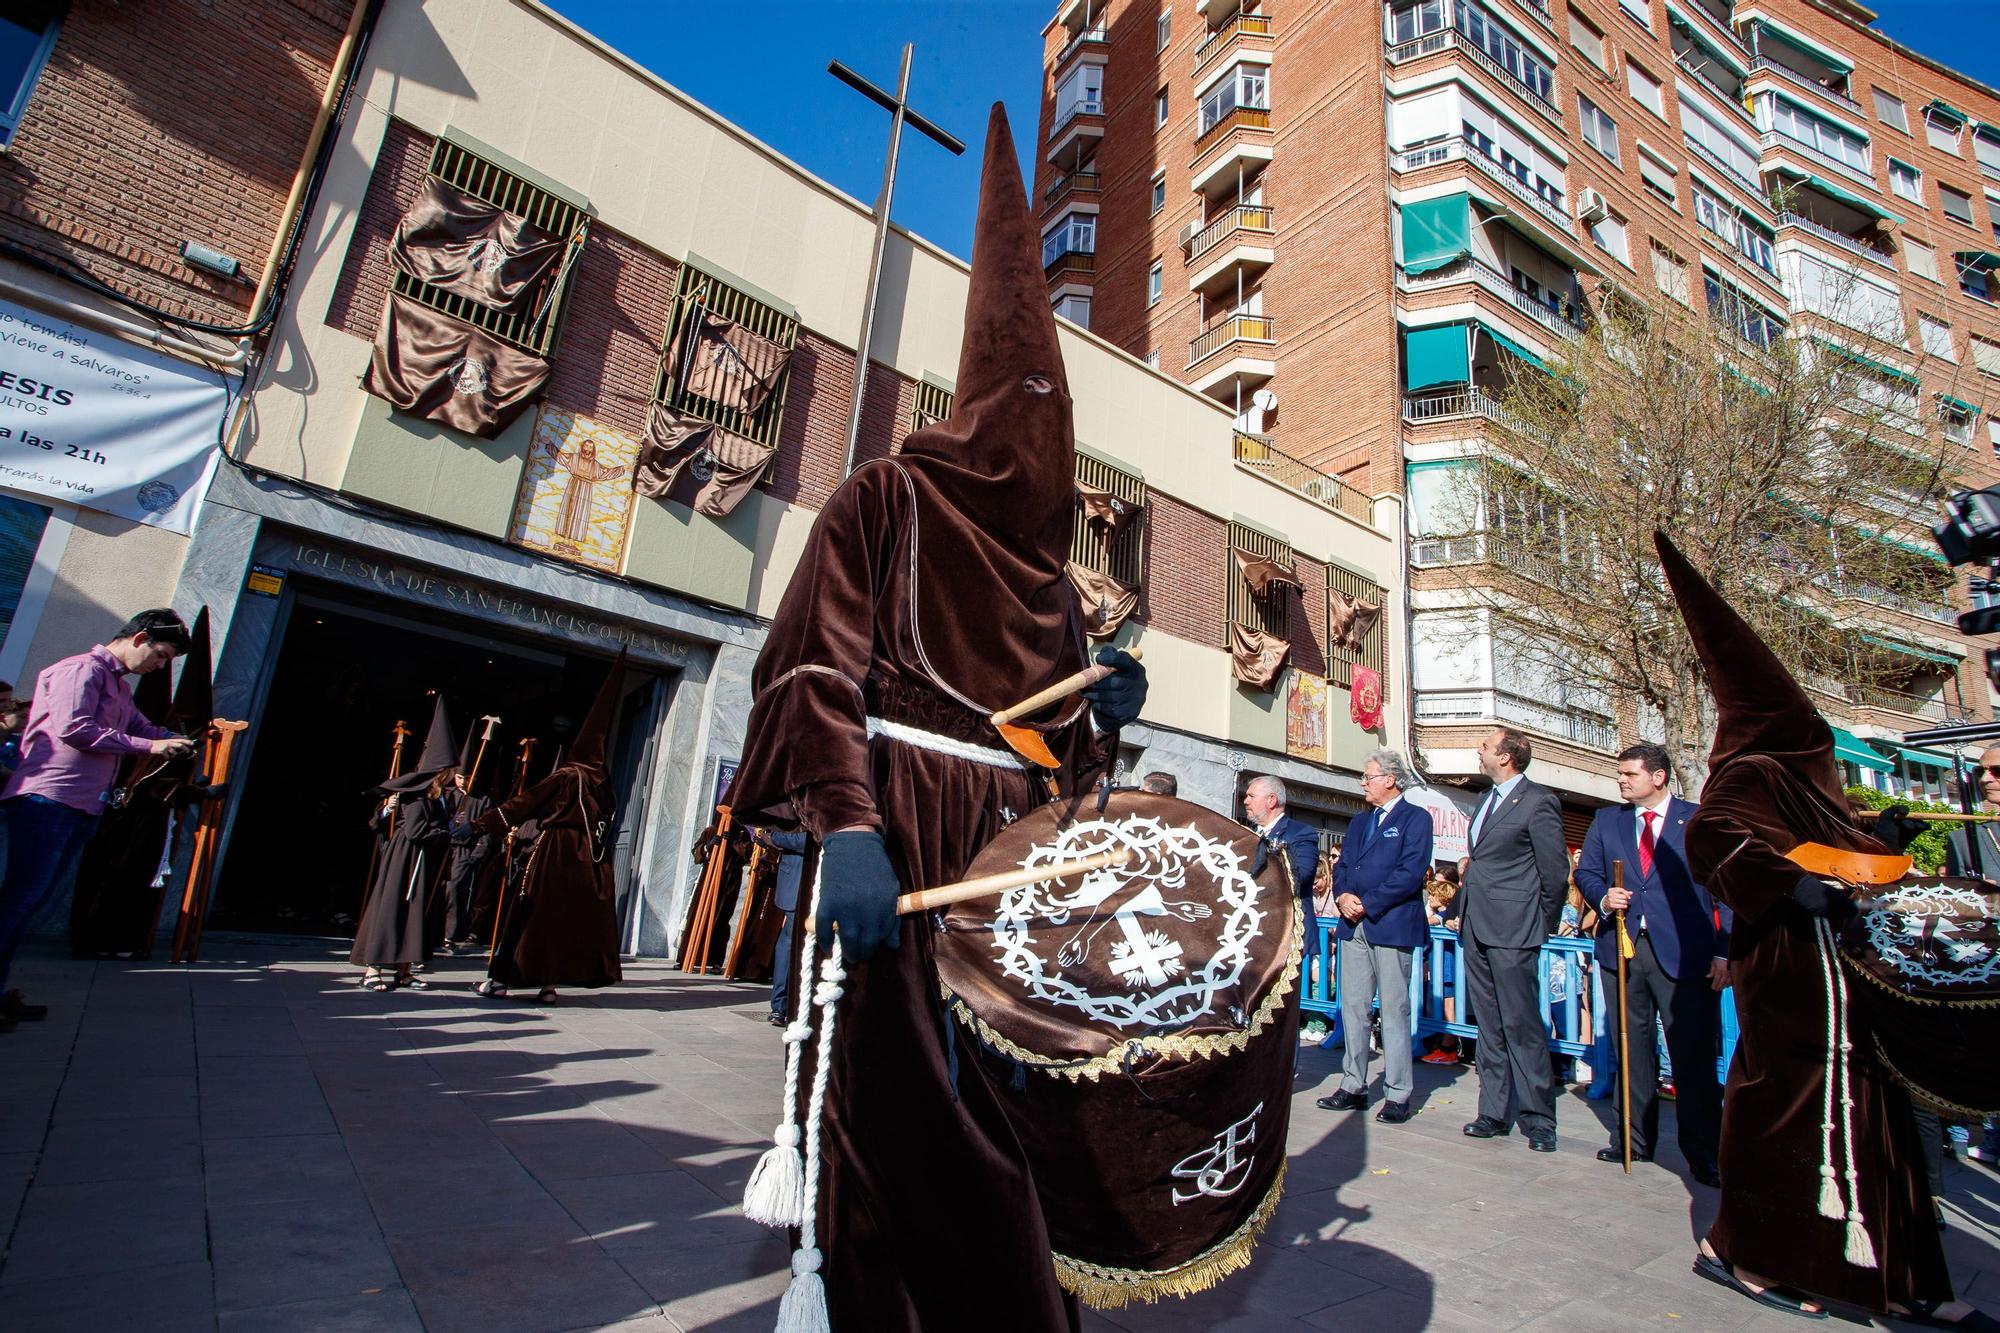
(1116, 700)
(1823, 898)
(463, 832)
(1895, 827)
(857, 894)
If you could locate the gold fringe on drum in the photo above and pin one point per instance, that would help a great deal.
(1112, 1288)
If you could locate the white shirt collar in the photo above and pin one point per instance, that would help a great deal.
(1659, 807)
(1387, 806)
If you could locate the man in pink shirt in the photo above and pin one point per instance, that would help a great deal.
(82, 723)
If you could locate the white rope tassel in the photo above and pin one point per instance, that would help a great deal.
(776, 1194)
(1830, 1205)
(1860, 1250)
(803, 1309)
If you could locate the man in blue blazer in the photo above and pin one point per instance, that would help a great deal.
(1264, 804)
(1378, 891)
(1680, 960)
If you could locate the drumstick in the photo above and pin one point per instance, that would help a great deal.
(1062, 689)
(987, 885)
(1935, 817)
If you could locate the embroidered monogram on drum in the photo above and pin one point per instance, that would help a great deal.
(1937, 935)
(1223, 1167)
(1099, 943)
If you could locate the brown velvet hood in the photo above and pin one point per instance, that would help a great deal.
(995, 481)
(588, 747)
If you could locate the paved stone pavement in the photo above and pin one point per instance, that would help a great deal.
(255, 1143)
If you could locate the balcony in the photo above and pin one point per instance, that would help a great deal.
(1557, 321)
(1845, 244)
(1840, 100)
(1078, 129)
(1452, 150)
(1540, 12)
(1592, 730)
(1778, 140)
(1229, 330)
(1898, 705)
(1254, 218)
(1069, 265)
(1072, 185)
(1089, 38)
(1257, 454)
(1713, 27)
(1252, 30)
(1242, 117)
(1697, 69)
(1729, 173)
(1457, 403)
(1448, 39)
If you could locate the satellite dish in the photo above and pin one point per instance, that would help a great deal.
(1265, 399)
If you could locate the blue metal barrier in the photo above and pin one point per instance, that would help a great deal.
(1565, 961)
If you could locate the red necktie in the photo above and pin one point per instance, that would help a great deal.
(1646, 843)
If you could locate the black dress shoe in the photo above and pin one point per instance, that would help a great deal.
(1542, 1140)
(1393, 1113)
(1343, 1101)
(1617, 1155)
(1706, 1175)
(1486, 1127)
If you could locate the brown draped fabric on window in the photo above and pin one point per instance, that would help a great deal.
(1105, 512)
(1261, 574)
(433, 366)
(696, 462)
(729, 365)
(470, 248)
(1256, 658)
(1349, 620)
(1107, 603)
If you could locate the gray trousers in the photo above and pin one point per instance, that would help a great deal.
(1364, 967)
(1516, 1078)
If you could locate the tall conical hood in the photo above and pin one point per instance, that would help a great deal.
(469, 745)
(153, 695)
(1759, 708)
(194, 696)
(439, 753)
(588, 747)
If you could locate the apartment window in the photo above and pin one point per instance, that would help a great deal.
(1906, 181)
(1496, 40)
(1993, 213)
(1993, 434)
(1155, 283)
(1272, 612)
(1599, 130)
(1075, 309)
(1957, 204)
(1670, 273)
(1741, 235)
(1153, 358)
(1937, 337)
(1608, 234)
(1163, 30)
(701, 295)
(1347, 589)
(1974, 279)
(1658, 176)
(1941, 129)
(1245, 86)
(1891, 111)
(1074, 235)
(1080, 94)
(1823, 136)
(1985, 356)
(1956, 419)
(1123, 557)
(1586, 39)
(1986, 147)
(1704, 132)
(1921, 258)
(1733, 310)
(1160, 107)
(931, 403)
(27, 35)
(1640, 10)
(1645, 89)
(1159, 190)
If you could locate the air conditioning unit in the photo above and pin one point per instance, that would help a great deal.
(1590, 205)
(1188, 233)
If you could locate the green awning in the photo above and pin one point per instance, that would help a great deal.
(1848, 746)
(1984, 260)
(1804, 45)
(1436, 232)
(1924, 758)
(1968, 408)
(1513, 348)
(1909, 650)
(1944, 110)
(1881, 368)
(1860, 203)
(1436, 356)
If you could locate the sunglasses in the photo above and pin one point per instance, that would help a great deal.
(1990, 770)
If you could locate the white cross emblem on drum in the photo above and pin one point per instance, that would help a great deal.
(1218, 1172)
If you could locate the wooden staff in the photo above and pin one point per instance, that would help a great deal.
(1934, 816)
(485, 739)
(759, 853)
(1624, 1041)
(694, 949)
(528, 744)
(985, 886)
(207, 842)
(402, 733)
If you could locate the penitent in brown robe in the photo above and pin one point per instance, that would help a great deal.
(1771, 786)
(931, 593)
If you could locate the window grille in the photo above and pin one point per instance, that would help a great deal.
(1124, 558)
(1271, 613)
(532, 328)
(1340, 660)
(932, 405)
(696, 290)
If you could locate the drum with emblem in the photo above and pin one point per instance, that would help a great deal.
(1926, 954)
(1139, 1024)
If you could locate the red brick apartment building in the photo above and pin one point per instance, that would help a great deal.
(1229, 186)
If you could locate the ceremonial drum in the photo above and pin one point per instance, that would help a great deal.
(1139, 1025)
(1927, 951)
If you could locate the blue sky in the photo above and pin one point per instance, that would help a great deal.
(763, 66)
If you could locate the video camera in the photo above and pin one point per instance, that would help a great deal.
(1970, 535)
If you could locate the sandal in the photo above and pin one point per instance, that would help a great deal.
(548, 995)
(378, 985)
(1926, 1314)
(491, 989)
(1721, 1273)
(415, 983)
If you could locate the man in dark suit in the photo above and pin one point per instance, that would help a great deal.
(1264, 804)
(1679, 962)
(1378, 890)
(1511, 900)
(791, 849)
(1958, 858)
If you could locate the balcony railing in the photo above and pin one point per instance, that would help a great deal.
(1071, 182)
(1267, 460)
(1243, 217)
(1083, 106)
(1069, 261)
(1734, 101)
(1090, 37)
(1922, 707)
(1231, 328)
(1910, 604)
(1540, 10)
(1466, 400)
(1846, 243)
(1558, 321)
(1748, 183)
(1453, 707)
(1779, 139)
(1718, 29)
(1448, 39)
(1453, 149)
(1240, 25)
(1765, 65)
(1244, 117)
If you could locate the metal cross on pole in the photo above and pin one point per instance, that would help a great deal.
(899, 111)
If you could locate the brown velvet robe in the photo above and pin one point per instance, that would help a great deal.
(560, 928)
(391, 934)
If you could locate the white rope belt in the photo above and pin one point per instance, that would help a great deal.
(930, 740)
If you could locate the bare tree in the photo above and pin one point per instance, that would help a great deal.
(1796, 473)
